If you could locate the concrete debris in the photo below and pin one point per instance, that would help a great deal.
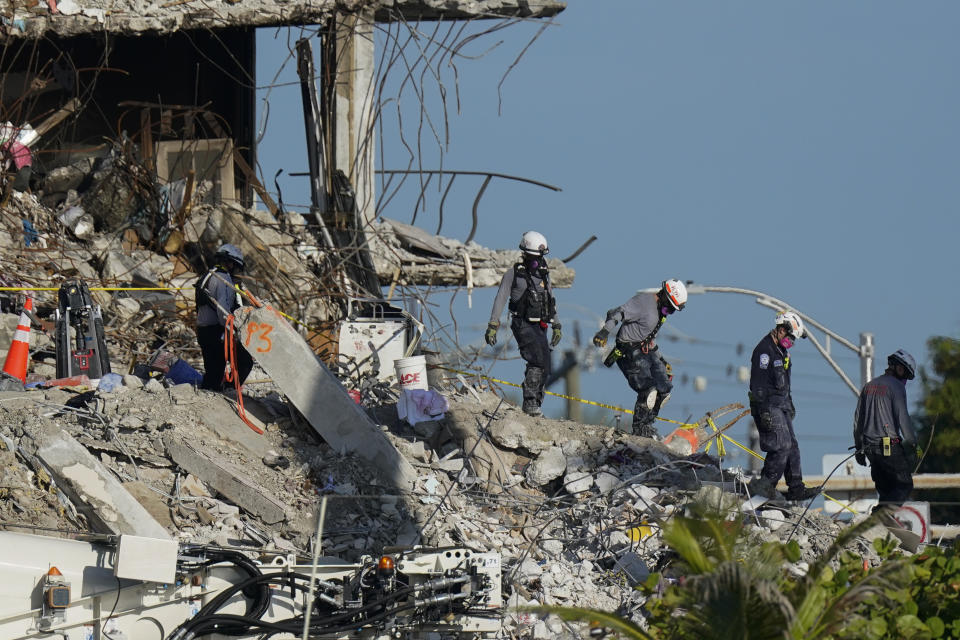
(575, 510)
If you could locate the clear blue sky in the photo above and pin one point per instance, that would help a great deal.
(809, 150)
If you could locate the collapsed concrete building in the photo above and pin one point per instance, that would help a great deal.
(139, 121)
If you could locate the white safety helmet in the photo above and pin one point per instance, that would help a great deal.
(905, 360)
(675, 292)
(791, 320)
(534, 242)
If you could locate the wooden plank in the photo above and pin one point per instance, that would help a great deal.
(59, 116)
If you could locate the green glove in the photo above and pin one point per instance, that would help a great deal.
(491, 335)
(556, 335)
(600, 339)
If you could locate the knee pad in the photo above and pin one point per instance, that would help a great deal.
(649, 398)
(663, 399)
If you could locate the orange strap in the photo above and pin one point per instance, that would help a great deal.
(230, 355)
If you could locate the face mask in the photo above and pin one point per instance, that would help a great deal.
(534, 264)
(786, 342)
(666, 311)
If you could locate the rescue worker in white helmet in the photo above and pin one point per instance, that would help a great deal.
(883, 433)
(636, 351)
(216, 298)
(532, 309)
(771, 406)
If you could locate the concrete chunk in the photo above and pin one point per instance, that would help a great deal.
(227, 480)
(86, 481)
(317, 393)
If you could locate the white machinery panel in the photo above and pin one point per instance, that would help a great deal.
(149, 559)
(361, 339)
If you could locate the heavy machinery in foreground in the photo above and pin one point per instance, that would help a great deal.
(136, 588)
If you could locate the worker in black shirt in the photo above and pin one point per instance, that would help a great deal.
(883, 433)
(533, 309)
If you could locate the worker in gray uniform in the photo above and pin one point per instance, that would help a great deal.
(636, 351)
(883, 433)
(532, 310)
(216, 298)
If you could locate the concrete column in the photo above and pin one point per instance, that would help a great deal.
(355, 94)
(317, 393)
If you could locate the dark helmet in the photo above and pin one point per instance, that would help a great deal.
(905, 360)
(229, 253)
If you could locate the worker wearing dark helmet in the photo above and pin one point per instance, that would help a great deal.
(883, 433)
(216, 298)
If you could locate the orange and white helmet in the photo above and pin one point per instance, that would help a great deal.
(675, 292)
(535, 243)
(791, 320)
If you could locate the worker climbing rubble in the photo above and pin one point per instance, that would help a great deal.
(771, 405)
(217, 297)
(636, 351)
(883, 433)
(532, 309)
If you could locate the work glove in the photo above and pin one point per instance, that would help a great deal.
(491, 335)
(791, 410)
(861, 458)
(600, 339)
(556, 335)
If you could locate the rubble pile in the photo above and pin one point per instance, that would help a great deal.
(574, 510)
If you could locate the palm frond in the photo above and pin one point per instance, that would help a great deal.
(681, 538)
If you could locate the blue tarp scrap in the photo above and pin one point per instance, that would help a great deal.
(30, 234)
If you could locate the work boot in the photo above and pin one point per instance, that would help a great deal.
(532, 383)
(801, 493)
(643, 414)
(762, 487)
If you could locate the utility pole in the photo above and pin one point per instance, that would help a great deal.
(572, 387)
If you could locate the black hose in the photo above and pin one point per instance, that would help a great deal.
(820, 488)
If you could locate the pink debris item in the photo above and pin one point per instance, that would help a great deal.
(19, 153)
(418, 405)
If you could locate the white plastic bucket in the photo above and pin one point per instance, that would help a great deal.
(412, 372)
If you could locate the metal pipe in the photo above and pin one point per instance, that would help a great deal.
(866, 358)
(832, 362)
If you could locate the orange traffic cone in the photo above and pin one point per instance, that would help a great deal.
(683, 441)
(19, 353)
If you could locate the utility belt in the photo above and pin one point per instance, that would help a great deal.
(883, 446)
(543, 324)
(623, 348)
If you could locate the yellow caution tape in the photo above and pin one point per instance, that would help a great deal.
(686, 425)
